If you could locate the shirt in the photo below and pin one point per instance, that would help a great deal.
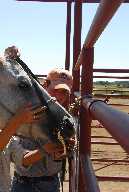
(5, 177)
(19, 146)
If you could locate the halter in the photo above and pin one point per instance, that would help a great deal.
(7, 109)
(37, 89)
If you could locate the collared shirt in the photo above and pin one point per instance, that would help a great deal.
(5, 177)
(19, 146)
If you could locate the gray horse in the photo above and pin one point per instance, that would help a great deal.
(17, 89)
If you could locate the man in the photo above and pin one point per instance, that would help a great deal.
(58, 84)
(36, 168)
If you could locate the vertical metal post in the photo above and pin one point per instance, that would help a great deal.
(77, 43)
(68, 32)
(85, 120)
(76, 74)
(87, 71)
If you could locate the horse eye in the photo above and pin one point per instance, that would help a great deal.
(23, 84)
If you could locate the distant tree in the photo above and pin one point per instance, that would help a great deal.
(118, 84)
(125, 84)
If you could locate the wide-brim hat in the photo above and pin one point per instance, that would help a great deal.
(60, 79)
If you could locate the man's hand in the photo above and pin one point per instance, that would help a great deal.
(71, 141)
(55, 150)
(11, 52)
(74, 107)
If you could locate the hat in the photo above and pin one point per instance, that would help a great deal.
(60, 79)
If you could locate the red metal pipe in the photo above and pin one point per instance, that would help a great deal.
(112, 96)
(112, 70)
(104, 137)
(116, 122)
(89, 179)
(85, 120)
(118, 104)
(86, 88)
(68, 32)
(113, 77)
(115, 90)
(113, 178)
(76, 44)
(38, 75)
(104, 13)
(87, 71)
(104, 143)
(72, 175)
(106, 160)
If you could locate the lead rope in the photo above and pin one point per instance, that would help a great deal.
(77, 154)
(61, 182)
(75, 110)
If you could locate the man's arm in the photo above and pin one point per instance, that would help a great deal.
(27, 114)
(56, 151)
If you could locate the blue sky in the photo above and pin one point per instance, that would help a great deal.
(38, 29)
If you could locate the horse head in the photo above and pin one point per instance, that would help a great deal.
(16, 89)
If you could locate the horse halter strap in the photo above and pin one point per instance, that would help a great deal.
(6, 108)
(33, 78)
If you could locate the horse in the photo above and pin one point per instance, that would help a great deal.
(18, 88)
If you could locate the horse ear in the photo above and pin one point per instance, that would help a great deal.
(2, 60)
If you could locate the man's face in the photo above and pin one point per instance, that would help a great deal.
(60, 94)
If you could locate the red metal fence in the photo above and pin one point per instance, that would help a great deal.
(93, 108)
